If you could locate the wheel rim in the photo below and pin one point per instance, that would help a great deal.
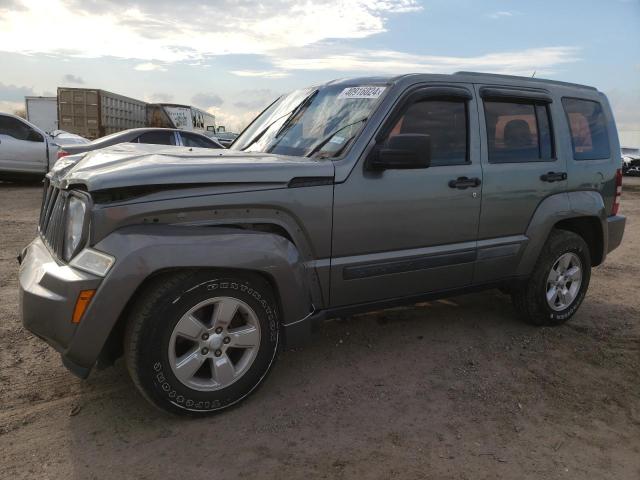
(564, 281)
(214, 343)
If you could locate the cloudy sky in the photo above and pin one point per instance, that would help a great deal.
(233, 56)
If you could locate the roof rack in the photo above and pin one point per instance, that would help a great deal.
(532, 79)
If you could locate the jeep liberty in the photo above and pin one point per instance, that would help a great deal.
(197, 266)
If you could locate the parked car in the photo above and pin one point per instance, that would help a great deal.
(155, 136)
(351, 196)
(630, 160)
(225, 138)
(64, 139)
(26, 152)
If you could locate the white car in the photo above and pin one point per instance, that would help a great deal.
(25, 150)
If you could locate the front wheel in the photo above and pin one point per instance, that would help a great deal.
(197, 342)
(559, 281)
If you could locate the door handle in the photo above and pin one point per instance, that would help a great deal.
(464, 182)
(553, 177)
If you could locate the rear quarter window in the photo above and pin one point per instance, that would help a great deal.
(588, 126)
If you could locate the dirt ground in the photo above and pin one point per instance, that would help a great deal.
(454, 389)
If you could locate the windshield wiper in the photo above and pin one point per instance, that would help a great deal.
(287, 124)
(328, 138)
(291, 114)
(265, 130)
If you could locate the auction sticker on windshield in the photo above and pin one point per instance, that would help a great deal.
(361, 92)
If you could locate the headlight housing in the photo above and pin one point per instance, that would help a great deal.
(93, 261)
(74, 226)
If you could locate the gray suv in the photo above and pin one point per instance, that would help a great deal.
(198, 266)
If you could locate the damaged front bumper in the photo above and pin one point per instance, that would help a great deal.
(48, 295)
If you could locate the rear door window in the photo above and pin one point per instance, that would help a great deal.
(588, 129)
(518, 132)
(193, 140)
(158, 138)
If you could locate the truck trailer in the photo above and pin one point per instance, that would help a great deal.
(94, 113)
(42, 112)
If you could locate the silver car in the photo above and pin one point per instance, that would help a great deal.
(25, 151)
(154, 136)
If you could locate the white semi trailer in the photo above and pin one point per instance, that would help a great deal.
(42, 112)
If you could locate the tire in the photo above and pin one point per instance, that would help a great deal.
(531, 301)
(179, 355)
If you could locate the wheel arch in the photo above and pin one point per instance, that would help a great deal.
(590, 229)
(581, 212)
(113, 346)
(145, 252)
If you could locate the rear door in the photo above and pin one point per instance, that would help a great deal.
(22, 149)
(521, 167)
(399, 233)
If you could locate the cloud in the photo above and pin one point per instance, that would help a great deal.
(626, 109)
(160, 98)
(149, 67)
(14, 93)
(69, 78)
(522, 62)
(11, 5)
(233, 120)
(501, 14)
(255, 100)
(242, 107)
(11, 107)
(206, 100)
(167, 31)
(260, 73)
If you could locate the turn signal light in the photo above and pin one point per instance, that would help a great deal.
(84, 297)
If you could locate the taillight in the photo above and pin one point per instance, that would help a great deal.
(62, 153)
(616, 199)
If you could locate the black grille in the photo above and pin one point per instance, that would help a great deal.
(52, 218)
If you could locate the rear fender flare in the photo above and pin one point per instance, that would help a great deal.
(550, 211)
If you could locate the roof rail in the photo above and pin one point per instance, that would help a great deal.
(532, 79)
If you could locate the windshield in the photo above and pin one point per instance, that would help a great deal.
(319, 122)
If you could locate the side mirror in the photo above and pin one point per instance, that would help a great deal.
(407, 150)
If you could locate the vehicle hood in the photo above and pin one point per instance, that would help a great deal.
(129, 165)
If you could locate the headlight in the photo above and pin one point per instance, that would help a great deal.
(74, 228)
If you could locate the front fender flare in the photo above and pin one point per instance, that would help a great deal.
(141, 251)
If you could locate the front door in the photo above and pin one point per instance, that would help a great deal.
(403, 232)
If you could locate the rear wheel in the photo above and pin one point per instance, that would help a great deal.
(559, 281)
(197, 342)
